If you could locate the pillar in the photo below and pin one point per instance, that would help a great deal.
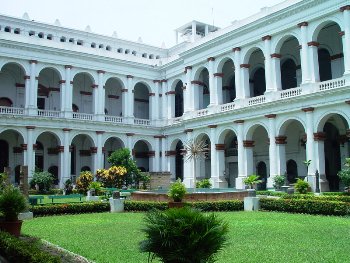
(188, 165)
(30, 152)
(101, 100)
(99, 153)
(33, 90)
(214, 172)
(130, 103)
(276, 68)
(65, 169)
(27, 92)
(245, 80)
(188, 105)
(155, 100)
(313, 61)
(125, 103)
(248, 146)
(319, 156)
(281, 142)
(304, 54)
(165, 109)
(268, 71)
(346, 38)
(218, 88)
(240, 151)
(197, 91)
(62, 84)
(273, 156)
(170, 96)
(68, 92)
(129, 141)
(156, 166)
(164, 157)
(213, 88)
(95, 99)
(238, 83)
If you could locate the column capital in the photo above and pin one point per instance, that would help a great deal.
(66, 129)
(248, 144)
(156, 81)
(159, 136)
(68, 66)
(188, 130)
(343, 8)
(319, 136)
(220, 147)
(129, 134)
(93, 149)
(211, 59)
(308, 109)
(313, 44)
(347, 102)
(33, 61)
(100, 132)
(239, 121)
(124, 90)
(245, 65)
(271, 116)
(60, 149)
(151, 153)
(62, 81)
(302, 24)
(236, 49)
(101, 71)
(26, 77)
(24, 146)
(219, 75)
(188, 68)
(164, 81)
(170, 153)
(172, 92)
(276, 55)
(151, 94)
(129, 76)
(341, 33)
(94, 86)
(30, 127)
(281, 139)
(267, 37)
(212, 126)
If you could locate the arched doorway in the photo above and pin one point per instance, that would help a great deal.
(82, 93)
(257, 73)
(4, 155)
(142, 155)
(179, 161)
(141, 102)
(49, 90)
(292, 171)
(111, 145)
(288, 74)
(179, 99)
(113, 97)
(261, 170)
(82, 150)
(54, 171)
(228, 82)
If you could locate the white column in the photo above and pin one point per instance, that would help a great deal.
(212, 84)
(157, 152)
(188, 105)
(63, 99)
(272, 150)
(68, 92)
(131, 102)
(125, 103)
(189, 166)
(170, 96)
(194, 31)
(165, 109)
(319, 159)
(276, 68)
(101, 101)
(27, 92)
(95, 99)
(240, 149)
(268, 71)
(346, 38)
(218, 88)
(245, 86)
(129, 141)
(215, 174)
(30, 152)
(155, 101)
(304, 54)
(239, 85)
(164, 157)
(313, 60)
(310, 140)
(248, 147)
(281, 142)
(65, 158)
(99, 154)
(33, 88)
(196, 90)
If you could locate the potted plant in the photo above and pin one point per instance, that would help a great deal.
(278, 182)
(12, 202)
(177, 192)
(252, 181)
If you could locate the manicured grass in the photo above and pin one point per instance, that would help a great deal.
(254, 237)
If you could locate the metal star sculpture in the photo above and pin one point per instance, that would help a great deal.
(195, 150)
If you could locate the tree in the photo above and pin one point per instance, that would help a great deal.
(122, 157)
(44, 180)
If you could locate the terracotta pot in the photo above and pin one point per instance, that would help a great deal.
(12, 227)
(175, 204)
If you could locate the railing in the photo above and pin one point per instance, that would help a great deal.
(256, 100)
(12, 111)
(82, 116)
(331, 84)
(142, 122)
(49, 113)
(227, 107)
(114, 119)
(289, 93)
(201, 113)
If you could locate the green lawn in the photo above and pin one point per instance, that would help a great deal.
(254, 237)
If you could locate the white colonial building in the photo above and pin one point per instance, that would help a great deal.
(266, 93)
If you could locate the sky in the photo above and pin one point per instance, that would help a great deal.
(152, 20)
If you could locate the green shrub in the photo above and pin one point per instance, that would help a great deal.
(278, 181)
(301, 186)
(44, 180)
(309, 206)
(336, 193)
(205, 183)
(12, 202)
(183, 235)
(231, 205)
(271, 193)
(96, 186)
(177, 191)
(311, 196)
(74, 208)
(17, 250)
(84, 180)
(144, 206)
(252, 180)
(344, 174)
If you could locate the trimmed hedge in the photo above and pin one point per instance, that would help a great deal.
(144, 206)
(271, 193)
(339, 198)
(73, 208)
(231, 205)
(336, 193)
(306, 206)
(17, 250)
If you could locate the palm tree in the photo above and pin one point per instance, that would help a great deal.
(195, 150)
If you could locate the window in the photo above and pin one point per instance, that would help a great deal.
(71, 40)
(144, 55)
(63, 39)
(31, 33)
(80, 42)
(134, 53)
(49, 37)
(127, 51)
(93, 45)
(101, 46)
(8, 29)
(120, 50)
(17, 31)
(41, 35)
(108, 48)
